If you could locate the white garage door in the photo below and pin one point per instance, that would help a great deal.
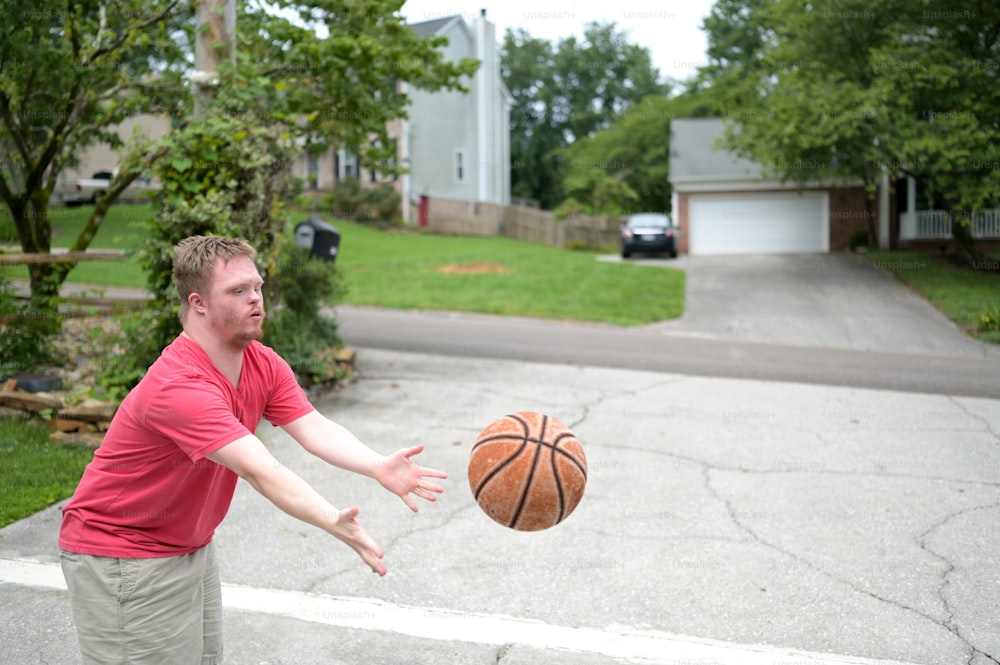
(758, 223)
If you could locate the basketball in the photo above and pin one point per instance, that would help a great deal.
(527, 471)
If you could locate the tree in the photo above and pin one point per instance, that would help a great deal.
(626, 166)
(333, 75)
(71, 72)
(937, 89)
(526, 64)
(803, 114)
(566, 93)
(737, 31)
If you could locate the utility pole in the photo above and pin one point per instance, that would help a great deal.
(215, 42)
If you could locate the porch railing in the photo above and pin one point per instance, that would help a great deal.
(936, 224)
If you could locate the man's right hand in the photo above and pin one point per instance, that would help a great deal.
(348, 529)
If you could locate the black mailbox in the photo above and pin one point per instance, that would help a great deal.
(319, 237)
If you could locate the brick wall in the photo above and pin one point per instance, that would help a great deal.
(849, 215)
(680, 217)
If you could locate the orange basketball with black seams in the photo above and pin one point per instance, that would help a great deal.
(527, 471)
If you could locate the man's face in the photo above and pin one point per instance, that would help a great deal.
(235, 302)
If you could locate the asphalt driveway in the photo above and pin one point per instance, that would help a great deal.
(815, 300)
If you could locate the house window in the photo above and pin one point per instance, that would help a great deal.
(350, 165)
(312, 171)
(459, 165)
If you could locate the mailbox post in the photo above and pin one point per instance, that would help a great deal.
(321, 238)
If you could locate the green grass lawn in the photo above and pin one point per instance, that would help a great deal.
(36, 472)
(122, 228)
(962, 295)
(402, 270)
(411, 270)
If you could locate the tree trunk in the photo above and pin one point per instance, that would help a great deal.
(45, 279)
(965, 244)
(961, 232)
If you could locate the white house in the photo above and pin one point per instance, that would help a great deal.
(455, 145)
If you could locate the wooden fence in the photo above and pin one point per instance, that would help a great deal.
(453, 217)
(74, 300)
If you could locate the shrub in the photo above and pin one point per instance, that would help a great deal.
(858, 239)
(989, 320)
(349, 200)
(25, 333)
(226, 176)
(296, 327)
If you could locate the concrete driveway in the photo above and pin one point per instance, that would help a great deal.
(817, 300)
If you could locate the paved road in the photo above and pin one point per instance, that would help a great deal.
(820, 319)
(726, 521)
(653, 348)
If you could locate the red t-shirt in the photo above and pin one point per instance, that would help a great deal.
(150, 491)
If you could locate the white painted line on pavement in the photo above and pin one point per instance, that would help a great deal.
(621, 642)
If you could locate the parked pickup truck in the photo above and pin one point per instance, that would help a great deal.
(88, 190)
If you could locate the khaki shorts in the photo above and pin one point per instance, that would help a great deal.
(164, 611)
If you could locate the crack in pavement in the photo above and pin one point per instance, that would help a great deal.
(694, 461)
(707, 468)
(501, 653)
(921, 540)
(975, 416)
(605, 396)
(734, 517)
(448, 518)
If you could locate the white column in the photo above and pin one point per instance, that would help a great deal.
(908, 221)
(883, 212)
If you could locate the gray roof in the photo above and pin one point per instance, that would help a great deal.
(695, 158)
(428, 28)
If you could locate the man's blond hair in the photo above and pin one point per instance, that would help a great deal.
(194, 260)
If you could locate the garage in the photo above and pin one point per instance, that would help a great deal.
(752, 223)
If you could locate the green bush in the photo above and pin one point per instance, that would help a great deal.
(226, 176)
(349, 200)
(858, 239)
(296, 327)
(25, 333)
(989, 320)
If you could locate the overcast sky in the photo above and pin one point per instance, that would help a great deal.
(669, 29)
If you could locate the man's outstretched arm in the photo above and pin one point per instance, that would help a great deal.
(334, 444)
(250, 460)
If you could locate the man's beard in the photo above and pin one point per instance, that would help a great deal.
(246, 334)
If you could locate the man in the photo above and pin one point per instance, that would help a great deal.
(136, 536)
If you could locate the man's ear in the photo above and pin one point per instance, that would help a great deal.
(196, 303)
